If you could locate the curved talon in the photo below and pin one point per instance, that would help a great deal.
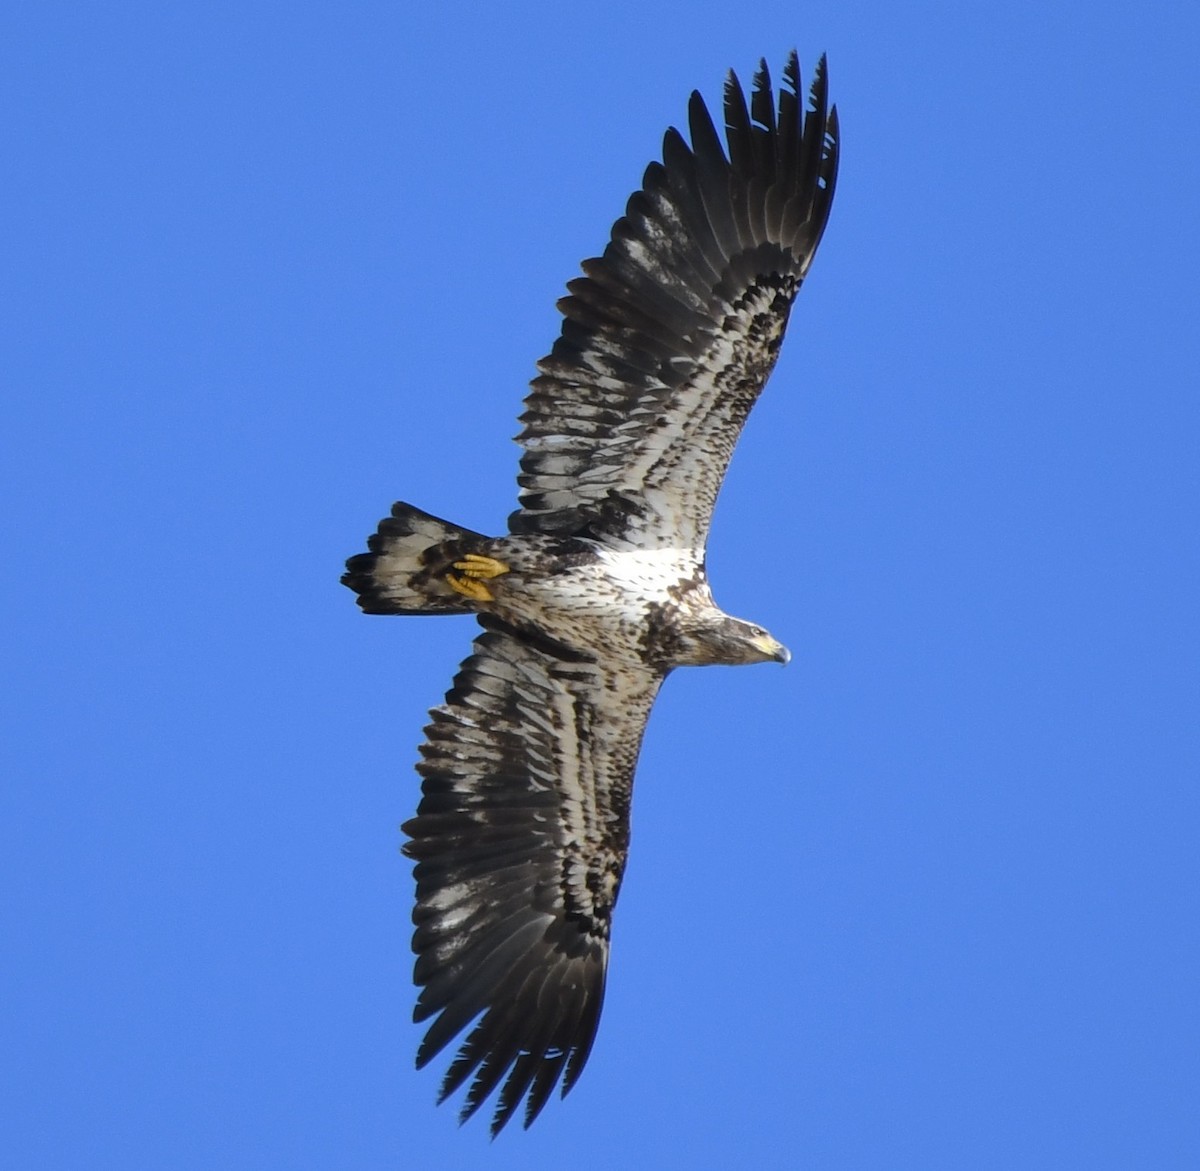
(477, 566)
(469, 588)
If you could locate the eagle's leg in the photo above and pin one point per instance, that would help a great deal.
(475, 570)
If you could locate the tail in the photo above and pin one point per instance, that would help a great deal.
(404, 573)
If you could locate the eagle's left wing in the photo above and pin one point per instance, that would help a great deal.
(520, 842)
(669, 336)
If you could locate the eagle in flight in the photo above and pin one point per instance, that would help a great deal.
(599, 589)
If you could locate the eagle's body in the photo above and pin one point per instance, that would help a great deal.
(597, 592)
(602, 600)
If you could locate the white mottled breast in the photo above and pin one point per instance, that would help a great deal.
(651, 573)
(601, 604)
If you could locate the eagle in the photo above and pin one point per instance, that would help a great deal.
(598, 591)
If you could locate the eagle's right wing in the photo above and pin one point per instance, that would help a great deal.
(520, 843)
(670, 336)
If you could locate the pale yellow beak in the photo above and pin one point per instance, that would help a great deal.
(772, 649)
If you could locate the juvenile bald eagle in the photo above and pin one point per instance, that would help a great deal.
(597, 591)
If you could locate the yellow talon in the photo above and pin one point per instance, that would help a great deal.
(477, 566)
(469, 588)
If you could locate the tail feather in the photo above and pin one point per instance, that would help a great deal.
(404, 571)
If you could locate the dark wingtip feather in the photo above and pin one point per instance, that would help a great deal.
(762, 84)
(700, 125)
(738, 132)
(791, 71)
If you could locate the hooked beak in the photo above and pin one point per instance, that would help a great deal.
(772, 649)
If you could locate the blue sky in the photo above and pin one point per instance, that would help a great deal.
(926, 898)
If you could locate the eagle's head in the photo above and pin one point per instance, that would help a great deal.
(716, 638)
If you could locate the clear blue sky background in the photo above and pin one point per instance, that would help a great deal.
(926, 898)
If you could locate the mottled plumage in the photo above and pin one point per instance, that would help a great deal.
(598, 591)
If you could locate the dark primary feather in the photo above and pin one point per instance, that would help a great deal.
(520, 843)
(670, 336)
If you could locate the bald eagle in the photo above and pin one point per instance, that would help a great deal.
(597, 591)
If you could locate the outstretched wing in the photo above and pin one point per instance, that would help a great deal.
(520, 842)
(671, 335)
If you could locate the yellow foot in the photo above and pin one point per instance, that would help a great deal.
(475, 570)
(477, 566)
